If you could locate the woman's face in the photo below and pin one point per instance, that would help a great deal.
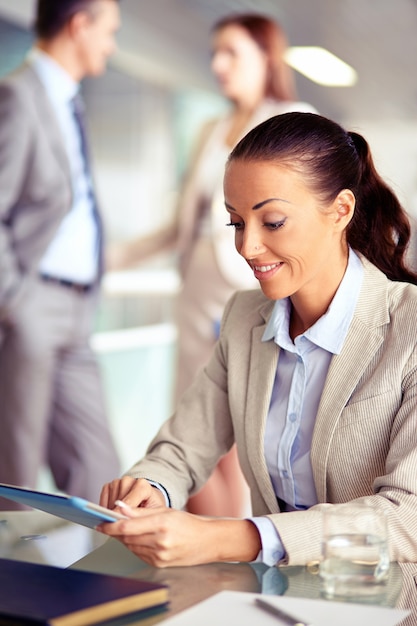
(294, 245)
(239, 64)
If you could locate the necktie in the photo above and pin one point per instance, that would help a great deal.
(78, 113)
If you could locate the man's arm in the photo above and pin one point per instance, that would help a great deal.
(14, 158)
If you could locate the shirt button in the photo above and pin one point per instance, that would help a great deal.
(285, 474)
(293, 417)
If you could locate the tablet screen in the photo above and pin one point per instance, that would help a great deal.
(71, 508)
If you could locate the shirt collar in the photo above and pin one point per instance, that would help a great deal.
(330, 330)
(59, 85)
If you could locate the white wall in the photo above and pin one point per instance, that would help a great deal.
(394, 146)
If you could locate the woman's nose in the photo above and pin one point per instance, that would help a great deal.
(251, 245)
(218, 63)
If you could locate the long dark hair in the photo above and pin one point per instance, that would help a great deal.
(271, 38)
(331, 159)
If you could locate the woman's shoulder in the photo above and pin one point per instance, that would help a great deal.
(403, 296)
(398, 291)
(392, 301)
(270, 107)
(402, 307)
(276, 107)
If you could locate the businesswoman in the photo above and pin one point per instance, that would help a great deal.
(248, 63)
(314, 375)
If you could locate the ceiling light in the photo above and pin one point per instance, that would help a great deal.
(321, 66)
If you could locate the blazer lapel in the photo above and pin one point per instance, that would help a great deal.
(48, 121)
(263, 365)
(363, 340)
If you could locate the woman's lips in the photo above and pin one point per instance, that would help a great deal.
(262, 272)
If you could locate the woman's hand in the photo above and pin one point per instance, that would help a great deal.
(135, 492)
(166, 537)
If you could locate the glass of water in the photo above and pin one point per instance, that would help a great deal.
(355, 556)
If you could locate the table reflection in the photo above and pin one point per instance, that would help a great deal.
(35, 536)
(189, 585)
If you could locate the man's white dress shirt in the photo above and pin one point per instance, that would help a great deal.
(73, 253)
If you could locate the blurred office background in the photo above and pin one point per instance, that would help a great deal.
(144, 114)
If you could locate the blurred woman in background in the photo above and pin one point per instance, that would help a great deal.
(248, 62)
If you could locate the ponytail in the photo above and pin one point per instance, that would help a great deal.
(379, 229)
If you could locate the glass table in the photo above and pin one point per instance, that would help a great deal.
(38, 537)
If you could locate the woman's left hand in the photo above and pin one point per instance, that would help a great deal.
(166, 537)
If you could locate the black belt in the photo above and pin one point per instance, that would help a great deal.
(79, 288)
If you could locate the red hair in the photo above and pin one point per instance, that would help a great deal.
(271, 38)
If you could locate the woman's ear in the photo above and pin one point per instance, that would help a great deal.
(344, 208)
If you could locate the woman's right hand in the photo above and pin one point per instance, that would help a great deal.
(136, 492)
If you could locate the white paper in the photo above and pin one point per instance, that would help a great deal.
(237, 607)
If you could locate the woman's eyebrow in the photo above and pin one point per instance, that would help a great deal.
(259, 205)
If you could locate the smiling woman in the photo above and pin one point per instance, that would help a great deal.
(314, 379)
(293, 246)
(286, 176)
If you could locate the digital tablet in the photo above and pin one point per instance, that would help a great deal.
(70, 508)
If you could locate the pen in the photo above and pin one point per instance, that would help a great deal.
(283, 615)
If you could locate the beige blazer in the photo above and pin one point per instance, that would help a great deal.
(35, 182)
(365, 437)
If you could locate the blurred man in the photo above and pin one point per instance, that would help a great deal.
(51, 402)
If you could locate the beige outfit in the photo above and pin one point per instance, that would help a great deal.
(212, 269)
(365, 437)
(51, 407)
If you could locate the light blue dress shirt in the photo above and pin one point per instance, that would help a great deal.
(298, 386)
(73, 252)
